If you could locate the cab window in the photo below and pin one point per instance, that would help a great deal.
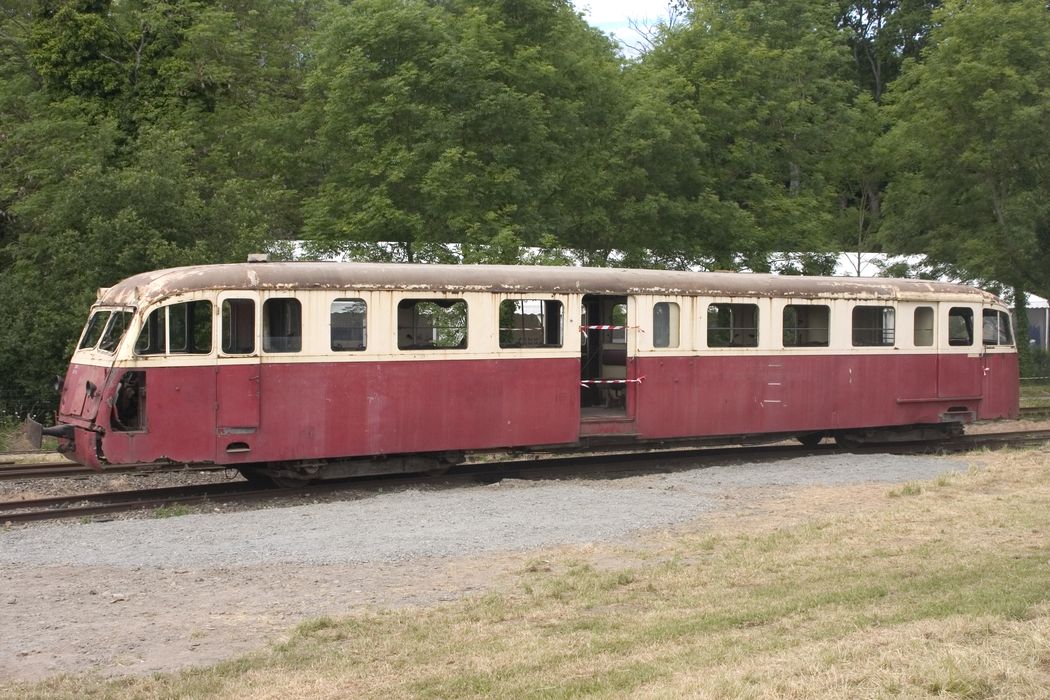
(960, 326)
(282, 325)
(238, 326)
(996, 327)
(93, 330)
(115, 329)
(189, 327)
(153, 334)
(177, 329)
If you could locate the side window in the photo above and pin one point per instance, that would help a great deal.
(431, 324)
(151, 337)
(732, 326)
(666, 323)
(530, 323)
(282, 325)
(93, 330)
(190, 328)
(349, 325)
(806, 325)
(960, 326)
(873, 326)
(924, 326)
(996, 327)
(238, 326)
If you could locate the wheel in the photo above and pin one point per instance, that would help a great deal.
(810, 440)
(258, 477)
(255, 477)
(847, 442)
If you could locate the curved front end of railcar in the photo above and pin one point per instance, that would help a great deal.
(89, 386)
(116, 379)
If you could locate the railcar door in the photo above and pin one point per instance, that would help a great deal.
(960, 370)
(238, 376)
(606, 364)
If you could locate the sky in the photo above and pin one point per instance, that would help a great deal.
(611, 16)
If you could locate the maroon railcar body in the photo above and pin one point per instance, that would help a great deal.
(539, 358)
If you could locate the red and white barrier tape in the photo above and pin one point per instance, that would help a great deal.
(588, 382)
(584, 329)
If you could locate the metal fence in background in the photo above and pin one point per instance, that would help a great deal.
(1035, 392)
(17, 404)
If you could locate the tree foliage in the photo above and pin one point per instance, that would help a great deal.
(747, 134)
(736, 144)
(970, 181)
(482, 124)
(131, 141)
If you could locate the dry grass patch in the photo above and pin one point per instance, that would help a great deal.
(869, 594)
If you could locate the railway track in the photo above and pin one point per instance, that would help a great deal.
(607, 465)
(48, 470)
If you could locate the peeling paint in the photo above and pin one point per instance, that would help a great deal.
(152, 286)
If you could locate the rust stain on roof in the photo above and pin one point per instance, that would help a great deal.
(148, 287)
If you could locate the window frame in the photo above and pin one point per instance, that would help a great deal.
(129, 317)
(90, 326)
(363, 327)
(880, 330)
(707, 328)
(949, 339)
(545, 327)
(452, 301)
(235, 296)
(1000, 317)
(784, 329)
(915, 328)
(268, 339)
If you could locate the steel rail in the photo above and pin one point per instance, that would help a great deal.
(610, 465)
(46, 470)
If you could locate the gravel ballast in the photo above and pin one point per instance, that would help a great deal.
(411, 523)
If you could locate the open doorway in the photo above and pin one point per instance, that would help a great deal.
(604, 357)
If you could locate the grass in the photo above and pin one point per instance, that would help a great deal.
(10, 434)
(1035, 393)
(867, 594)
(171, 511)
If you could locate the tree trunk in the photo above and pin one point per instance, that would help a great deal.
(1024, 350)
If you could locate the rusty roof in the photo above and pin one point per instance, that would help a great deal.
(148, 287)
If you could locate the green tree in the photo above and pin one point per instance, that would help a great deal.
(135, 135)
(970, 187)
(481, 124)
(882, 35)
(756, 96)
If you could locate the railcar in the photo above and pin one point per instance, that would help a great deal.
(319, 370)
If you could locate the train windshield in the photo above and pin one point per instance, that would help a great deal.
(118, 325)
(105, 329)
(93, 331)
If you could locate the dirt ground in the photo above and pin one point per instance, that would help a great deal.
(117, 621)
